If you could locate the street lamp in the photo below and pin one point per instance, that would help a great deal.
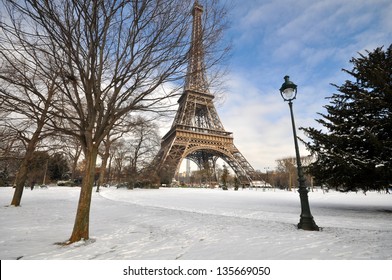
(266, 173)
(306, 222)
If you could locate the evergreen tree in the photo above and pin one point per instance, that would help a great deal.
(58, 167)
(354, 151)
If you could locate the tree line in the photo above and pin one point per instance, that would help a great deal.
(122, 159)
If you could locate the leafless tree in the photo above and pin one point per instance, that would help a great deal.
(108, 147)
(288, 167)
(143, 146)
(105, 152)
(111, 175)
(26, 92)
(112, 58)
(72, 149)
(133, 148)
(119, 161)
(11, 151)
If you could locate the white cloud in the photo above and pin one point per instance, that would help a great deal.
(260, 122)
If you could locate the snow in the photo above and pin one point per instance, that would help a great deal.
(196, 224)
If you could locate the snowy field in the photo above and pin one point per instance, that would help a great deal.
(196, 224)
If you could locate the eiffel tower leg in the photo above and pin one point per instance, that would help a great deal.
(170, 163)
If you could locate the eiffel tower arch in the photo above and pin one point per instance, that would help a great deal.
(197, 132)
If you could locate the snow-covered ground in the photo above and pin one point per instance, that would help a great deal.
(196, 224)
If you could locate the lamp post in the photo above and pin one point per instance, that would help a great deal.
(266, 173)
(306, 222)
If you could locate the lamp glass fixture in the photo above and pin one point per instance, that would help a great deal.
(288, 89)
(289, 93)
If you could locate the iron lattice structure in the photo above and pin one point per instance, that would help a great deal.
(197, 132)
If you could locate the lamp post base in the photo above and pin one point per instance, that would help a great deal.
(307, 223)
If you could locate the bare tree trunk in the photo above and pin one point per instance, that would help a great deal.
(23, 169)
(75, 160)
(105, 157)
(20, 182)
(81, 225)
(109, 174)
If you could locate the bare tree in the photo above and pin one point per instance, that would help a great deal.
(133, 148)
(288, 167)
(27, 93)
(114, 57)
(143, 146)
(119, 161)
(107, 148)
(11, 151)
(72, 150)
(104, 153)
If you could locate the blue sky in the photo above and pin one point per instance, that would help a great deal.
(309, 40)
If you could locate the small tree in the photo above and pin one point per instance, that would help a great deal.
(236, 183)
(11, 150)
(57, 166)
(36, 170)
(142, 147)
(225, 177)
(354, 150)
(287, 166)
(106, 153)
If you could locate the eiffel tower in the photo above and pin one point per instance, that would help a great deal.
(197, 132)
